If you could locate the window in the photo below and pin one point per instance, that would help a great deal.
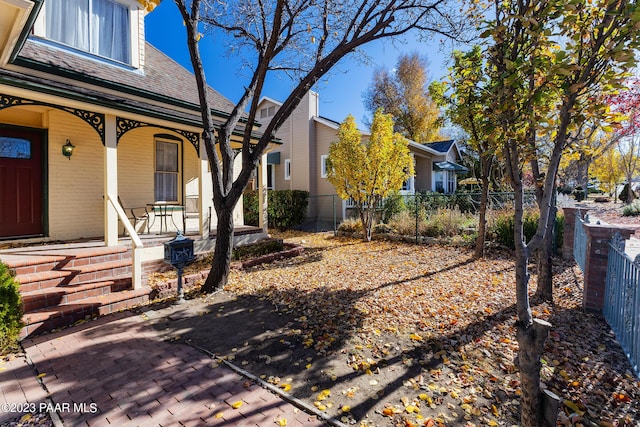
(451, 182)
(270, 177)
(267, 112)
(166, 174)
(101, 27)
(323, 165)
(439, 181)
(287, 169)
(15, 148)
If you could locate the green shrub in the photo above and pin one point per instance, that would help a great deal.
(501, 226)
(567, 189)
(393, 205)
(10, 310)
(431, 201)
(578, 194)
(632, 209)
(559, 230)
(250, 208)
(285, 208)
(467, 202)
(624, 194)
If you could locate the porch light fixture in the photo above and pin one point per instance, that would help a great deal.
(67, 149)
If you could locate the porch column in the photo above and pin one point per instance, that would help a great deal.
(262, 194)
(206, 193)
(110, 181)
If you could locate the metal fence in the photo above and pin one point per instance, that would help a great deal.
(622, 299)
(326, 211)
(580, 242)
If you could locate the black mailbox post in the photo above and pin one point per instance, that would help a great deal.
(179, 252)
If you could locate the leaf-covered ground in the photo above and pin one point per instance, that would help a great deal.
(390, 334)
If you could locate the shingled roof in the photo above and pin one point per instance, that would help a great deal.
(440, 146)
(162, 79)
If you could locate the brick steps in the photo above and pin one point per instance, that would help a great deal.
(46, 319)
(52, 296)
(63, 286)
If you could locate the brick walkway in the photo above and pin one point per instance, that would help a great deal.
(118, 371)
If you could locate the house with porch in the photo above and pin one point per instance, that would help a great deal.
(100, 139)
(300, 162)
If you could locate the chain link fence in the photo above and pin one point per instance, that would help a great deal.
(400, 212)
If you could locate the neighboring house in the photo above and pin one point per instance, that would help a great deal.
(300, 162)
(85, 77)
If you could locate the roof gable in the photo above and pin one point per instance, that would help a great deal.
(441, 146)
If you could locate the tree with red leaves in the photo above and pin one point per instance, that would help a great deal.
(627, 103)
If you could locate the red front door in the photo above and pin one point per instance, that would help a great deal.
(20, 183)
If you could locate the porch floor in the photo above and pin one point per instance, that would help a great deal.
(35, 248)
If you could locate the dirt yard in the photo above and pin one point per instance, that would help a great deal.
(392, 334)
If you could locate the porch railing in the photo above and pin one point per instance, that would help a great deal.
(580, 242)
(622, 299)
(137, 246)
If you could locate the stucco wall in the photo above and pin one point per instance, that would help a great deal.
(424, 168)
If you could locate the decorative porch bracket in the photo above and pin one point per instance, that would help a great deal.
(125, 125)
(95, 120)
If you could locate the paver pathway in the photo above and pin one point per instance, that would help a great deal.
(119, 371)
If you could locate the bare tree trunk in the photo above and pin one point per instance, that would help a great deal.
(485, 164)
(544, 291)
(366, 224)
(528, 354)
(219, 273)
(531, 340)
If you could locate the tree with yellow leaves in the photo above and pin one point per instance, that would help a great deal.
(403, 93)
(368, 171)
(149, 5)
(608, 169)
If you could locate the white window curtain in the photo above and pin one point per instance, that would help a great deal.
(110, 30)
(101, 27)
(166, 176)
(67, 21)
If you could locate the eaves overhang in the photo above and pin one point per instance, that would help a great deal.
(106, 84)
(92, 97)
(16, 20)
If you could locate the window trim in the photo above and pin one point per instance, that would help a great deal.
(287, 169)
(178, 173)
(323, 165)
(39, 31)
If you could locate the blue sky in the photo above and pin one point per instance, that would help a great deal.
(340, 91)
